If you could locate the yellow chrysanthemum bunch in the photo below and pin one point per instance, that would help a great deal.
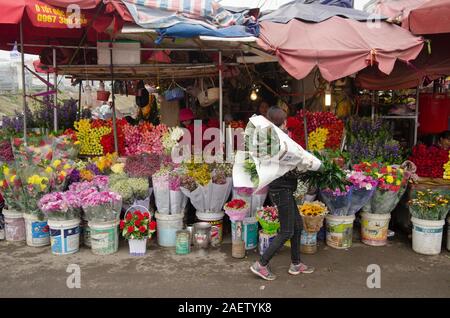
(317, 139)
(315, 208)
(39, 181)
(447, 168)
(90, 138)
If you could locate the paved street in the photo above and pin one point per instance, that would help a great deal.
(34, 272)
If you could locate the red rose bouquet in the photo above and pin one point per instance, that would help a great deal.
(429, 161)
(137, 225)
(236, 209)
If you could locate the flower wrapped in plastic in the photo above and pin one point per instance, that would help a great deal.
(12, 189)
(236, 209)
(36, 185)
(64, 147)
(392, 184)
(338, 202)
(55, 206)
(313, 214)
(268, 219)
(169, 198)
(37, 151)
(60, 171)
(102, 206)
(364, 187)
(255, 199)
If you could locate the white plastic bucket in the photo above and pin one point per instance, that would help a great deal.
(264, 241)
(339, 231)
(137, 247)
(64, 236)
(308, 242)
(37, 231)
(104, 237)
(216, 221)
(374, 228)
(448, 233)
(166, 228)
(14, 226)
(250, 233)
(427, 236)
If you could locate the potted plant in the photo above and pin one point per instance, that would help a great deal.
(428, 210)
(137, 227)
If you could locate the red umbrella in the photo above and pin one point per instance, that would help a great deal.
(338, 47)
(431, 18)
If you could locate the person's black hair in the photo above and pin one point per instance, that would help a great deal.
(276, 115)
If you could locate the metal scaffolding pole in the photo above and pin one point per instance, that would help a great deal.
(116, 147)
(24, 92)
(221, 100)
(55, 78)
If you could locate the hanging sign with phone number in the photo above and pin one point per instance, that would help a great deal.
(48, 16)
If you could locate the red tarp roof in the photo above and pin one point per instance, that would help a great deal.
(430, 18)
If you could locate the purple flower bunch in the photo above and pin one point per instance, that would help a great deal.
(143, 165)
(338, 192)
(361, 180)
(53, 202)
(174, 182)
(101, 182)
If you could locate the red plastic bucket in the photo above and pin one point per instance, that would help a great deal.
(434, 110)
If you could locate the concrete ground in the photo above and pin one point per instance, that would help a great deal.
(35, 272)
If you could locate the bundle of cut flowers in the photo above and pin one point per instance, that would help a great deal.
(211, 186)
(430, 161)
(102, 206)
(171, 138)
(364, 186)
(236, 209)
(60, 206)
(268, 219)
(12, 189)
(6, 153)
(37, 184)
(137, 225)
(142, 165)
(325, 130)
(392, 183)
(429, 205)
(59, 170)
(313, 214)
(65, 147)
(167, 183)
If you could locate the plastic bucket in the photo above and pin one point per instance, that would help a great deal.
(427, 236)
(64, 236)
(166, 227)
(138, 247)
(183, 243)
(308, 242)
(104, 237)
(374, 228)
(264, 241)
(85, 233)
(250, 233)
(37, 232)
(237, 234)
(14, 226)
(339, 231)
(216, 221)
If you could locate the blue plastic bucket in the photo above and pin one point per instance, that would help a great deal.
(264, 241)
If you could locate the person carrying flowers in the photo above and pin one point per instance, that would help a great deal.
(281, 193)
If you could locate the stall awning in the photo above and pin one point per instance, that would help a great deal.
(433, 17)
(338, 47)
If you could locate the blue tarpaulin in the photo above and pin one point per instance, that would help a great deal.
(186, 30)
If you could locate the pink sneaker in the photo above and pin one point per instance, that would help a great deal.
(300, 268)
(262, 271)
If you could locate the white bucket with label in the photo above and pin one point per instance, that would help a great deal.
(166, 228)
(14, 226)
(37, 231)
(427, 236)
(104, 237)
(64, 236)
(339, 231)
(374, 228)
